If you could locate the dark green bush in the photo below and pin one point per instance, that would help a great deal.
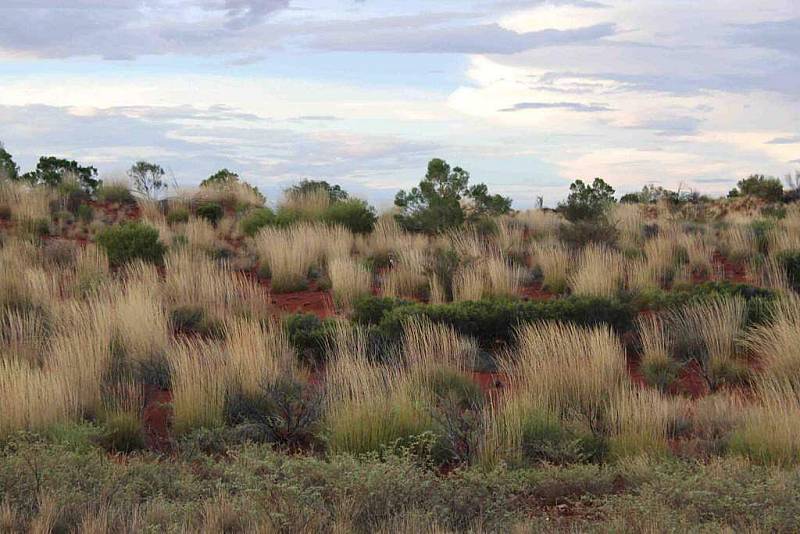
(85, 213)
(130, 241)
(122, 432)
(791, 265)
(763, 187)
(210, 211)
(309, 335)
(492, 321)
(193, 320)
(257, 219)
(579, 233)
(177, 215)
(115, 193)
(369, 310)
(354, 214)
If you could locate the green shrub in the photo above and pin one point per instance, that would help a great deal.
(545, 439)
(354, 214)
(579, 233)
(660, 373)
(122, 432)
(760, 186)
(115, 193)
(210, 211)
(492, 321)
(791, 265)
(257, 219)
(309, 335)
(177, 215)
(85, 213)
(194, 320)
(130, 241)
(369, 310)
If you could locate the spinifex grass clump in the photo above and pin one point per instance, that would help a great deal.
(658, 366)
(600, 272)
(709, 333)
(197, 371)
(563, 373)
(489, 277)
(350, 281)
(555, 261)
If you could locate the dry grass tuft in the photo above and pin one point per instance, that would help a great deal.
(350, 281)
(600, 272)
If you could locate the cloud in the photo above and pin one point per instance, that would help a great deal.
(780, 35)
(466, 39)
(793, 140)
(670, 126)
(194, 142)
(570, 106)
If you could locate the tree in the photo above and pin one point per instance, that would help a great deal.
(52, 171)
(587, 202)
(335, 192)
(436, 204)
(147, 179)
(760, 186)
(220, 178)
(225, 178)
(8, 168)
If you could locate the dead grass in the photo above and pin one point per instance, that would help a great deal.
(350, 281)
(198, 384)
(600, 272)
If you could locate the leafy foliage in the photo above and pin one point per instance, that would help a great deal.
(52, 171)
(335, 192)
(436, 204)
(257, 219)
(129, 241)
(354, 214)
(210, 211)
(147, 178)
(760, 186)
(587, 202)
(8, 169)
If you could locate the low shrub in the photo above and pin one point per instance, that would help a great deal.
(580, 233)
(130, 241)
(257, 219)
(193, 320)
(178, 215)
(122, 432)
(790, 261)
(309, 335)
(491, 321)
(210, 211)
(85, 213)
(115, 193)
(354, 214)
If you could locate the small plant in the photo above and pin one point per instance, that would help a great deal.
(257, 219)
(122, 432)
(130, 241)
(85, 213)
(178, 215)
(354, 214)
(117, 193)
(210, 211)
(193, 320)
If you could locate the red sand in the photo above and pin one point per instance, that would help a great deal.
(156, 419)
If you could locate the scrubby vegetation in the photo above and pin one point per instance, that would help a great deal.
(206, 362)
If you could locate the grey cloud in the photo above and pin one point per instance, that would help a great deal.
(778, 35)
(671, 125)
(785, 140)
(571, 106)
(467, 39)
(194, 142)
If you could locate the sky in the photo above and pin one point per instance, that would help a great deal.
(525, 95)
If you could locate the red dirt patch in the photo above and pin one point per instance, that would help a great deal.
(536, 292)
(156, 419)
(313, 300)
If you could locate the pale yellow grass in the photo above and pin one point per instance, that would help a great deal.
(541, 224)
(198, 384)
(257, 354)
(490, 277)
(555, 261)
(600, 272)
(350, 281)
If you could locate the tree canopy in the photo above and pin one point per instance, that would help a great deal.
(147, 178)
(8, 168)
(335, 192)
(52, 171)
(760, 186)
(587, 202)
(444, 199)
